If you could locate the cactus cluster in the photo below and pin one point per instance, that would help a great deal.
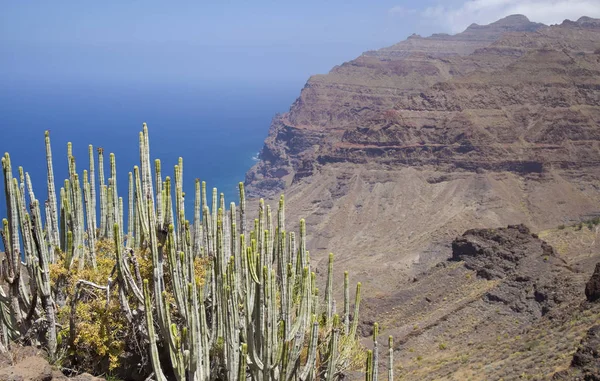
(257, 314)
(372, 362)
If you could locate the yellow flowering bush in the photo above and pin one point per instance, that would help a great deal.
(102, 333)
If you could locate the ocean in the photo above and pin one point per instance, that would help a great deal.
(218, 130)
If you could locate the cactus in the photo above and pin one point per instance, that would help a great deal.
(102, 188)
(254, 315)
(92, 210)
(130, 215)
(375, 352)
(391, 358)
(91, 231)
(369, 366)
(52, 227)
(43, 280)
(10, 238)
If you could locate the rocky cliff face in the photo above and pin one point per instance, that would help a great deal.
(390, 156)
(363, 89)
(511, 96)
(393, 154)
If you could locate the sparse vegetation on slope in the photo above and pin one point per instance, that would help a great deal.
(524, 322)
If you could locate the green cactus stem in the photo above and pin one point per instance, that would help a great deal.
(391, 358)
(87, 196)
(369, 366)
(356, 309)
(53, 232)
(375, 352)
(154, 355)
(103, 196)
(92, 191)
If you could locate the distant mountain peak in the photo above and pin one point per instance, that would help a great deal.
(582, 22)
(512, 23)
(515, 23)
(513, 19)
(464, 43)
(585, 20)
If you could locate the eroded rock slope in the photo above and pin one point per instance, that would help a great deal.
(392, 155)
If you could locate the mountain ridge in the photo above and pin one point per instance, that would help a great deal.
(391, 156)
(507, 133)
(312, 119)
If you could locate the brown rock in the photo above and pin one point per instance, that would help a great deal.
(522, 261)
(86, 377)
(592, 288)
(27, 363)
(29, 369)
(587, 357)
(586, 361)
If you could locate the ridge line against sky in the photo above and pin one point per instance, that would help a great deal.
(206, 43)
(456, 16)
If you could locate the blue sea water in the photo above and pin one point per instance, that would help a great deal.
(217, 129)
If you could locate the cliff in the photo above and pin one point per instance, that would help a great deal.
(393, 154)
(510, 96)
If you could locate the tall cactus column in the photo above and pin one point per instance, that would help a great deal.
(103, 191)
(53, 232)
(43, 280)
(94, 222)
(10, 237)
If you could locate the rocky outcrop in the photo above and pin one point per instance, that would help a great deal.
(504, 305)
(587, 358)
(522, 262)
(31, 369)
(29, 364)
(499, 253)
(592, 288)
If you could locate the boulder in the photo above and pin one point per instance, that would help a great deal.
(592, 288)
(522, 262)
(33, 368)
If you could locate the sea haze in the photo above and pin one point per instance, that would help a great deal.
(217, 129)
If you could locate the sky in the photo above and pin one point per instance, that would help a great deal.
(212, 42)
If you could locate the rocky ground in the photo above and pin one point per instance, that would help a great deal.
(30, 364)
(504, 306)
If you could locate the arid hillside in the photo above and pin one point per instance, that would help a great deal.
(393, 155)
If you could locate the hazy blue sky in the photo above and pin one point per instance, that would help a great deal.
(203, 42)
